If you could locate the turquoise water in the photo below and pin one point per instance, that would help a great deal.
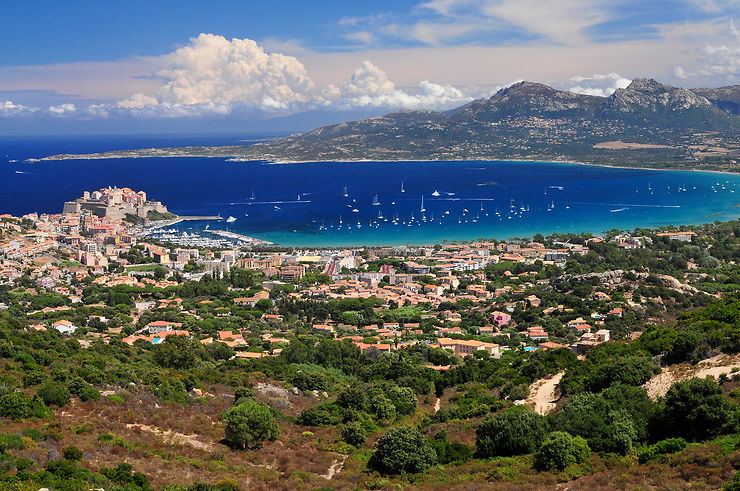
(303, 204)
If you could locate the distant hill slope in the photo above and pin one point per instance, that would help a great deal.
(645, 124)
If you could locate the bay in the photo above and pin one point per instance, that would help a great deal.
(304, 204)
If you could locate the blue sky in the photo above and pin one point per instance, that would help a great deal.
(115, 65)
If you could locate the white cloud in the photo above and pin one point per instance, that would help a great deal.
(213, 69)
(8, 108)
(369, 86)
(722, 60)
(597, 84)
(562, 21)
(63, 109)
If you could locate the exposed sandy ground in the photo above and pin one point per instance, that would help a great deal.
(437, 404)
(715, 366)
(173, 436)
(334, 469)
(620, 145)
(543, 394)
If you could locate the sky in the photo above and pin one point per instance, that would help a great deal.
(72, 66)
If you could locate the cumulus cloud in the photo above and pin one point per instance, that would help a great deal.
(214, 76)
(722, 60)
(369, 86)
(8, 108)
(597, 84)
(63, 109)
(213, 69)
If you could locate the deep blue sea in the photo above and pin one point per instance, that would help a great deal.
(306, 204)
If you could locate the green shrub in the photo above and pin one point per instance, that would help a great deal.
(72, 453)
(17, 405)
(10, 442)
(450, 452)
(249, 424)
(403, 450)
(513, 432)
(314, 416)
(663, 447)
(353, 433)
(559, 450)
(53, 394)
(32, 433)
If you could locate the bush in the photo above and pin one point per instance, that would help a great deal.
(513, 432)
(592, 417)
(72, 453)
(560, 449)
(32, 433)
(17, 405)
(403, 450)
(695, 409)
(310, 381)
(450, 452)
(353, 433)
(249, 424)
(663, 447)
(352, 398)
(314, 416)
(10, 442)
(123, 474)
(53, 394)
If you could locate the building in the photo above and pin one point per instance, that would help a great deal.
(64, 326)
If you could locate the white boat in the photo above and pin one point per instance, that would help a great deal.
(422, 209)
(252, 197)
(355, 210)
(402, 190)
(435, 193)
(375, 201)
(344, 192)
(230, 219)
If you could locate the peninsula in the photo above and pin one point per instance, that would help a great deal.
(647, 124)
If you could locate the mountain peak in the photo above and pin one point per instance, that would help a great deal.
(647, 94)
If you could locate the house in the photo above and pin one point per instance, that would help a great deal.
(156, 327)
(532, 301)
(500, 318)
(616, 311)
(601, 296)
(537, 333)
(466, 347)
(64, 326)
(682, 236)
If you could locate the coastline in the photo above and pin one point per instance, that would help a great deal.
(237, 159)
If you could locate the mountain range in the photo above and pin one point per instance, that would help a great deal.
(645, 124)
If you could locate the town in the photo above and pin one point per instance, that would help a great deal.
(291, 325)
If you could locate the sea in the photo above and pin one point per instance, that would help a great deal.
(339, 204)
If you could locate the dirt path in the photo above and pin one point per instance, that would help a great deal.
(542, 394)
(334, 469)
(715, 366)
(174, 436)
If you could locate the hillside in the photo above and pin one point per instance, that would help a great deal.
(645, 124)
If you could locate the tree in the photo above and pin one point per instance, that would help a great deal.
(591, 416)
(53, 394)
(560, 449)
(353, 433)
(17, 405)
(403, 450)
(695, 409)
(159, 273)
(513, 432)
(249, 424)
(264, 305)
